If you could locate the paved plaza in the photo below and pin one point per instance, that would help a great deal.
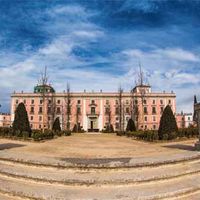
(96, 146)
(99, 166)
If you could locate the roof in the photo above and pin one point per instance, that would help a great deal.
(44, 88)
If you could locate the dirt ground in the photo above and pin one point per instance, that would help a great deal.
(96, 146)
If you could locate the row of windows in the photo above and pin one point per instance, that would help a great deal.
(93, 101)
(153, 110)
(154, 101)
(93, 109)
(116, 126)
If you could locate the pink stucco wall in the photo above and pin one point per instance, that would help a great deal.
(101, 100)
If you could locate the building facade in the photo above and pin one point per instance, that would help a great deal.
(184, 120)
(93, 111)
(5, 120)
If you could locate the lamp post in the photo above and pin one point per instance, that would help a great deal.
(197, 119)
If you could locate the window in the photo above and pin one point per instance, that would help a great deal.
(40, 126)
(17, 101)
(49, 101)
(40, 118)
(127, 110)
(154, 101)
(49, 110)
(58, 110)
(58, 101)
(154, 127)
(169, 101)
(154, 118)
(145, 118)
(116, 102)
(145, 127)
(32, 101)
(92, 110)
(153, 110)
(161, 109)
(31, 117)
(136, 101)
(40, 109)
(117, 125)
(24, 101)
(93, 102)
(161, 101)
(32, 109)
(41, 101)
(78, 110)
(107, 101)
(116, 118)
(145, 101)
(117, 111)
(145, 110)
(31, 125)
(127, 101)
(107, 110)
(188, 118)
(79, 101)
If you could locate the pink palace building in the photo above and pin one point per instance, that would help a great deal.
(93, 111)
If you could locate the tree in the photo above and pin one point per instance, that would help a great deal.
(131, 125)
(168, 126)
(21, 122)
(109, 128)
(56, 125)
(120, 108)
(76, 128)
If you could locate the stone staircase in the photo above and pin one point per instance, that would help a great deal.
(22, 179)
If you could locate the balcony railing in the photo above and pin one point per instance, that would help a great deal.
(92, 113)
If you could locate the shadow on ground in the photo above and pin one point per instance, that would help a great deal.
(10, 146)
(95, 160)
(181, 146)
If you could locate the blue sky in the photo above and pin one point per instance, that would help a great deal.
(97, 45)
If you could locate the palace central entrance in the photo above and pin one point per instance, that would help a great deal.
(93, 124)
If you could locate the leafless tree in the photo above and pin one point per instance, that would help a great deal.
(43, 82)
(120, 107)
(108, 114)
(68, 106)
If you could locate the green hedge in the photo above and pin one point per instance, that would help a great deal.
(151, 135)
(147, 135)
(188, 132)
(36, 135)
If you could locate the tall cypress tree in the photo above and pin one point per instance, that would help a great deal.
(21, 122)
(130, 125)
(56, 125)
(168, 125)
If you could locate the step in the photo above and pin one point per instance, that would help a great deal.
(98, 163)
(145, 191)
(99, 177)
(194, 195)
(6, 196)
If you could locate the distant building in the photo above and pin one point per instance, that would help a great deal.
(93, 111)
(5, 120)
(184, 120)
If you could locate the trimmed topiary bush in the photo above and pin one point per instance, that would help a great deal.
(66, 132)
(77, 129)
(167, 124)
(131, 125)
(21, 122)
(56, 125)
